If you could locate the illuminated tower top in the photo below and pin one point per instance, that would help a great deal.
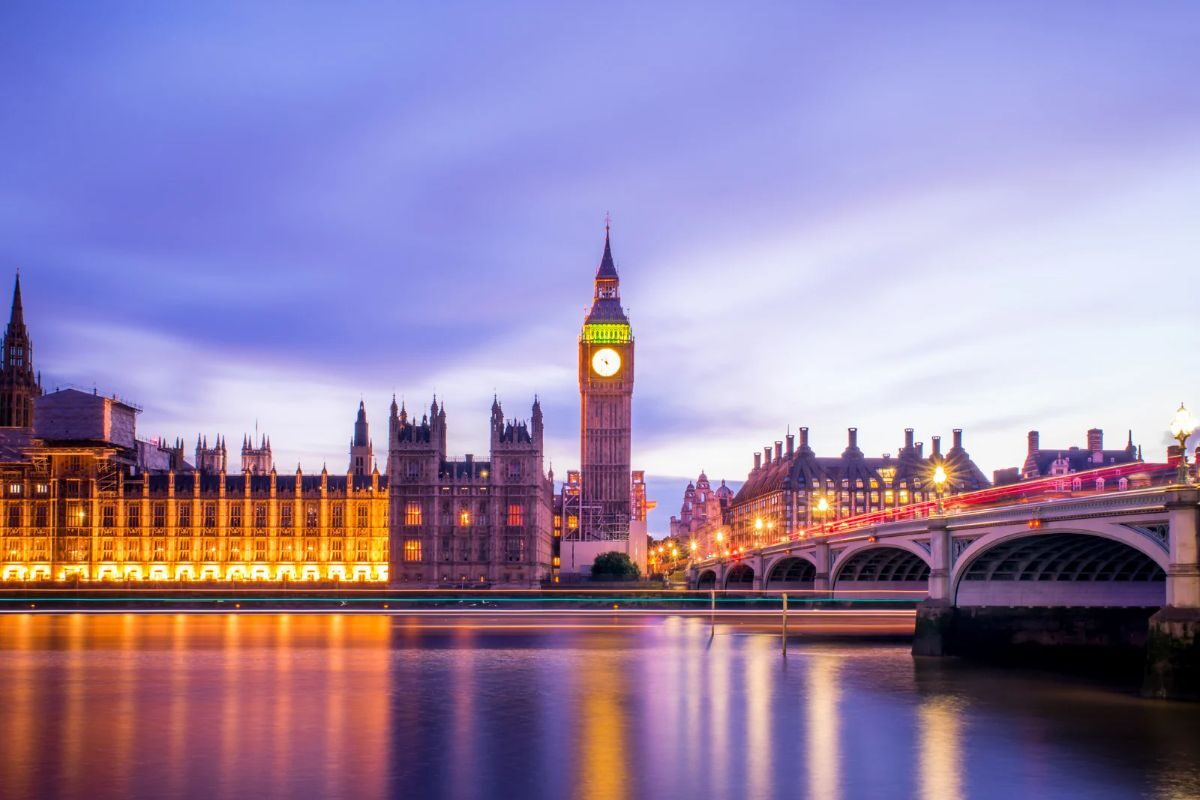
(606, 323)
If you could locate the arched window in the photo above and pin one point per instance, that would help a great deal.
(1123, 484)
(1076, 485)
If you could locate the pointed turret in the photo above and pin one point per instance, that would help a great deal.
(361, 452)
(19, 383)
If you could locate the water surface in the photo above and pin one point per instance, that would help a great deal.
(206, 705)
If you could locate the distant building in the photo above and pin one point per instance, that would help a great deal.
(703, 513)
(1043, 462)
(785, 492)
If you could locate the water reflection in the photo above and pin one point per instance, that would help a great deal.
(363, 706)
(822, 717)
(939, 748)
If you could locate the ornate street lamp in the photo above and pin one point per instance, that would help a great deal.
(822, 509)
(1182, 427)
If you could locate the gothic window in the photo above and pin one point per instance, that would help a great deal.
(77, 514)
(285, 515)
(447, 548)
(210, 515)
(514, 470)
(1076, 485)
(235, 515)
(514, 548)
(1123, 484)
(106, 550)
(158, 515)
(338, 514)
(41, 513)
(260, 515)
(335, 549)
(412, 549)
(260, 549)
(311, 515)
(108, 516)
(160, 550)
(483, 550)
(362, 516)
(183, 515)
(14, 516)
(1099, 484)
(516, 515)
(412, 513)
(414, 469)
(464, 517)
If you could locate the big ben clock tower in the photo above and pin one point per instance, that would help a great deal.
(605, 410)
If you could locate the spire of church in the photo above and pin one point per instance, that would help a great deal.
(17, 317)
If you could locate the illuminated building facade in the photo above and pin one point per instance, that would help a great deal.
(469, 522)
(790, 491)
(85, 500)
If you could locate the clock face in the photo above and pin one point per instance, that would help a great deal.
(606, 362)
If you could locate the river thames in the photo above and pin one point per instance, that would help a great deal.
(546, 706)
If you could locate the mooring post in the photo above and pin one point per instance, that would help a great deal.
(783, 628)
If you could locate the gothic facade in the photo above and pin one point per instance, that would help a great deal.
(468, 521)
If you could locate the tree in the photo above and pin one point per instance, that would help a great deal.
(614, 566)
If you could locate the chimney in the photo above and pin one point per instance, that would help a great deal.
(778, 451)
(958, 438)
(908, 438)
(767, 454)
(1033, 442)
(937, 447)
(1095, 440)
(804, 437)
(920, 449)
(757, 461)
(852, 438)
(791, 444)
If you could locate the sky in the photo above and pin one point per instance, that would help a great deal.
(874, 215)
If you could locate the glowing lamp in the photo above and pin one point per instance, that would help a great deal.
(1182, 426)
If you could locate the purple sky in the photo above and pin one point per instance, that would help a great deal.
(927, 216)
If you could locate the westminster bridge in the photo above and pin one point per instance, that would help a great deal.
(1055, 571)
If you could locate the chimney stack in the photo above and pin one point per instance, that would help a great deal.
(767, 454)
(778, 451)
(1095, 440)
(908, 438)
(852, 437)
(757, 461)
(791, 444)
(1033, 442)
(804, 437)
(920, 449)
(958, 438)
(937, 447)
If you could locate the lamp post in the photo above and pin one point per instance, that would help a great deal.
(939, 486)
(822, 509)
(1181, 428)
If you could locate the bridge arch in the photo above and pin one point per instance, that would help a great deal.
(740, 576)
(899, 566)
(1105, 565)
(707, 579)
(790, 572)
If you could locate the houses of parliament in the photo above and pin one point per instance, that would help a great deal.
(83, 499)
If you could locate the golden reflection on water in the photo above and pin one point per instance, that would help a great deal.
(602, 755)
(759, 673)
(824, 775)
(194, 705)
(939, 748)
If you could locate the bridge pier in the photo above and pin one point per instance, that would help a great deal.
(821, 556)
(1173, 646)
